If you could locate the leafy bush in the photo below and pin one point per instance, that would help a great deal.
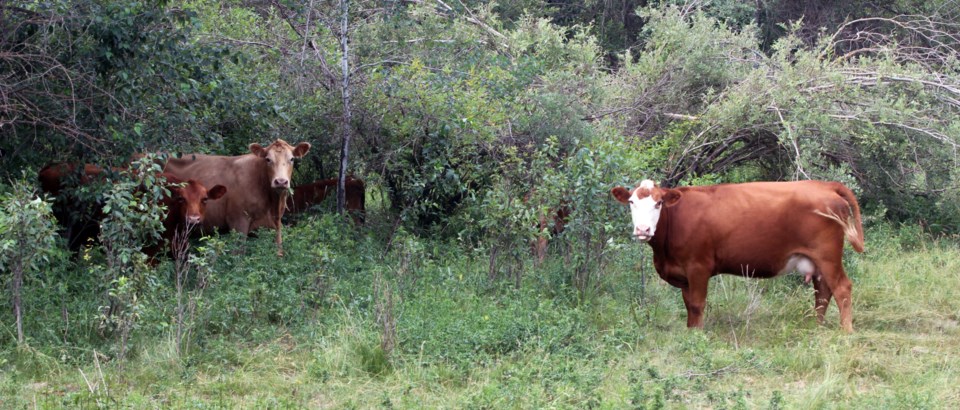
(27, 242)
(133, 219)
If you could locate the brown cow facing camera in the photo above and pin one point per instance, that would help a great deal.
(257, 185)
(186, 207)
(757, 229)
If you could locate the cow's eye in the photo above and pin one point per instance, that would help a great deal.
(268, 160)
(660, 202)
(181, 200)
(631, 202)
(204, 200)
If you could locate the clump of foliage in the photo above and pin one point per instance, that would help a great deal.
(91, 77)
(193, 274)
(133, 219)
(27, 242)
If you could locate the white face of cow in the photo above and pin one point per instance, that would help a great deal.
(645, 201)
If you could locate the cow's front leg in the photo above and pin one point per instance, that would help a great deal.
(279, 221)
(279, 240)
(695, 298)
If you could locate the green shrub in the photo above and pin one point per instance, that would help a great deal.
(27, 243)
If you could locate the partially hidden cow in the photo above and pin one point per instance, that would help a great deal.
(186, 207)
(758, 229)
(551, 221)
(554, 222)
(80, 218)
(307, 195)
(185, 204)
(257, 185)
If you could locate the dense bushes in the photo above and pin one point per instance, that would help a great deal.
(102, 80)
(459, 95)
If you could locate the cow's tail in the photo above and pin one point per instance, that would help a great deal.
(852, 224)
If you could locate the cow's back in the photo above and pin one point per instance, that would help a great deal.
(307, 195)
(246, 197)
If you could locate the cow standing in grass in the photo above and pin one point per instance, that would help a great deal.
(759, 229)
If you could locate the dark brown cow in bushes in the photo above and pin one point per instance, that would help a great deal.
(553, 222)
(79, 217)
(185, 204)
(759, 229)
(307, 195)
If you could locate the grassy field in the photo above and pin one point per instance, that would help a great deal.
(306, 331)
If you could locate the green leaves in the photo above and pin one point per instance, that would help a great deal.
(27, 240)
(27, 229)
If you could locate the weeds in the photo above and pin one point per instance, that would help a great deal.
(190, 290)
(420, 327)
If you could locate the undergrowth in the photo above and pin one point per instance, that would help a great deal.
(303, 332)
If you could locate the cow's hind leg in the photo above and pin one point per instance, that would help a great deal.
(821, 296)
(841, 288)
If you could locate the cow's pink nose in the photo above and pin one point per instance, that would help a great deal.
(641, 231)
(281, 183)
(193, 219)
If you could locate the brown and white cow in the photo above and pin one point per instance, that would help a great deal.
(186, 207)
(257, 185)
(306, 195)
(758, 229)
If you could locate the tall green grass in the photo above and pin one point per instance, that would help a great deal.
(302, 332)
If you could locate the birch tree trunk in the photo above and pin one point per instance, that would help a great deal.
(345, 89)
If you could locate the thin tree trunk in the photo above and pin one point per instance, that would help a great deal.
(345, 88)
(19, 266)
(17, 305)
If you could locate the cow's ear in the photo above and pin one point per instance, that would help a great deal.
(301, 149)
(258, 150)
(216, 192)
(621, 194)
(671, 197)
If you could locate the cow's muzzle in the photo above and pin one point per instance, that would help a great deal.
(643, 233)
(281, 183)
